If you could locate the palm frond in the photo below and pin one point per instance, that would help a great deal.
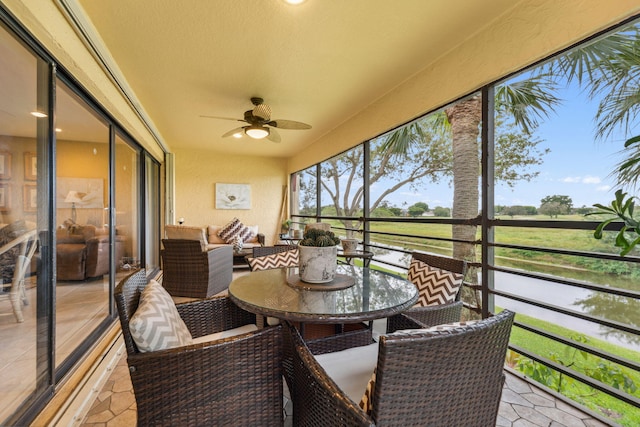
(528, 100)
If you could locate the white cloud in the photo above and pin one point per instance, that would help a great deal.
(571, 179)
(591, 180)
(603, 188)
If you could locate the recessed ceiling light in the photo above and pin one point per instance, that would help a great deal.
(294, 2)
(38, 114)
(58, 130)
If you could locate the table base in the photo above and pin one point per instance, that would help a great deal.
(354, 335)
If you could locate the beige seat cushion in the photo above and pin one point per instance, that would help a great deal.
(351, 369)
(186, 232)
(226, 334)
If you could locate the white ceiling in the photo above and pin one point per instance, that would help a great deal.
(319, 63)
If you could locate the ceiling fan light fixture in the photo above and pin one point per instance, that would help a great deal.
(257, 132)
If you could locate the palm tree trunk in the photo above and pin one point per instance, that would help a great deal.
(465, 117)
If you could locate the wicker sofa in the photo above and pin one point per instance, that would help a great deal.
(208, 236)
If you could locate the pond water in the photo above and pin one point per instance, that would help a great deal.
(568, 297)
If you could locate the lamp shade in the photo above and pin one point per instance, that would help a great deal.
(73, 197)
(257, 132)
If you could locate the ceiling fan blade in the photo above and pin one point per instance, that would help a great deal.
(273, 136)
(239, 130)
(222, 118)
(288, 124)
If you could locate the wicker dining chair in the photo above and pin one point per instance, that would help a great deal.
(190, 271)
(269, 257)
(429, 377)
(434, 314)
(230, 381)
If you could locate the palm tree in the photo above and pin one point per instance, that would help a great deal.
(609, 66)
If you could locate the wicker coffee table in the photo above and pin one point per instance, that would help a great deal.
(240, 258)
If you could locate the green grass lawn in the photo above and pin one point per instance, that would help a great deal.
(590, 365)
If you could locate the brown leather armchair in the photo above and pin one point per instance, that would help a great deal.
(83, 252)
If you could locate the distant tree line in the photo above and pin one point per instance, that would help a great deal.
(550, 205)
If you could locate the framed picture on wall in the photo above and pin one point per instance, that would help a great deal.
(5, 165)
(30, 166)
(30, 197)
(233, 196)
(5, 197)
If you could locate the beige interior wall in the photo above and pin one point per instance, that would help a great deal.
(198, 171)
(527, 33)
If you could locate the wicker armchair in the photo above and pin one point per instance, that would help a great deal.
(433, 315)
(433, 378)
(232, 381)
(188, 271)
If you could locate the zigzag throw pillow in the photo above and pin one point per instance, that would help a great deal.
(435, 286)
(156, 324)
(279, 260)
(233, 230)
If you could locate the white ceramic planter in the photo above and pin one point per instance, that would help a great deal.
(317, 264)
(349, 245)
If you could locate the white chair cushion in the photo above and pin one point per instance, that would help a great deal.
(156, 324)
(435, 286)
(351, 369)
(226, 334)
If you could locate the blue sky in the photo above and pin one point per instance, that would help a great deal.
(578, 165)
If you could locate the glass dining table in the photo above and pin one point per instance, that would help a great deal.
(357, 294)
(332, 316)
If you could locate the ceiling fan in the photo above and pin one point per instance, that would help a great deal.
(260, 124)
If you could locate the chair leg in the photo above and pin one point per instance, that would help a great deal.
(18, 295)
(16, 304)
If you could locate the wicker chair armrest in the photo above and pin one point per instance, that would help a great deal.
(211, 315)
(426, 316)
(186, 385)
(324, 402)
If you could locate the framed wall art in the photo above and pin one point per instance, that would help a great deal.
(30, 197)
(5, 198)
(233, 196)
(30, 166)
(5, 165)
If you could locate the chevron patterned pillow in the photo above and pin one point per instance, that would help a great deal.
(235, 229)
(435, 286)
(281, 259)
(156, 324)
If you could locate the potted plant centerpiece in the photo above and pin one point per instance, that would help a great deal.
(318, 255)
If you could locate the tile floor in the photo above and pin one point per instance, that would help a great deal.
(523, 405)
